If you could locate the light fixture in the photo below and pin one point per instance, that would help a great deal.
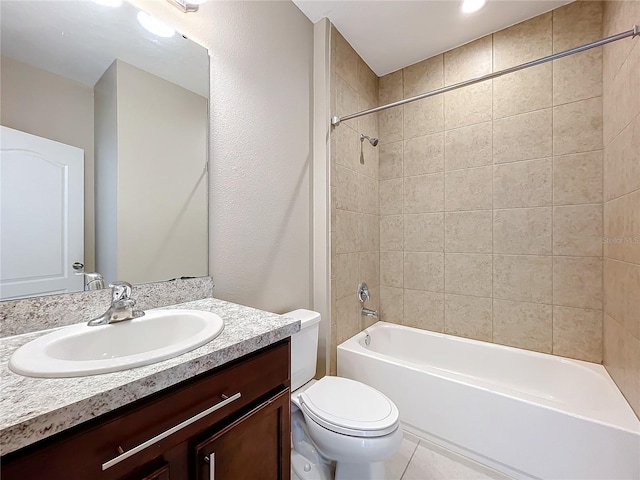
(187, 6)
(109, 3)
(154, 26)
(470, 6)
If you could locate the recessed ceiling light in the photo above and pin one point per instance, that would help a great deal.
(109, 3)
(470, 6)
(154, 26)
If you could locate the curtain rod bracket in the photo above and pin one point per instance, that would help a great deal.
(636, 30)
(335, 121)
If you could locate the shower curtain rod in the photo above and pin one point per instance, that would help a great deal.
(335, 121)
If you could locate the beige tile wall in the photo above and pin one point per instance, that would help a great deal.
(491, 196)
(621, 101)
(355, 221)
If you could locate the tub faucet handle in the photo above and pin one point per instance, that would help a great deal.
(363, 293)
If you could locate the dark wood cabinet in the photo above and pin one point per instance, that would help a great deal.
(238, 415)
(253, 447)
(160, 474)
(150, 472)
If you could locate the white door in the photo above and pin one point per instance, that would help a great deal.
(41, 215)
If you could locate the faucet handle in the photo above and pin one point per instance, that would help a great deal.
(363, 293)
(120, 291)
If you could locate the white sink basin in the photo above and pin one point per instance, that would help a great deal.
(80, 350)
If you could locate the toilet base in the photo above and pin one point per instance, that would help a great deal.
(304, 469)
(360, 471)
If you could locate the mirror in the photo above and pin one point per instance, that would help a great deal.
(104, 148)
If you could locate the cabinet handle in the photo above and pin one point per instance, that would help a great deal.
(226, 401)
(211, 460)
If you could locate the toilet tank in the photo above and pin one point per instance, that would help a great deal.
(304, 347)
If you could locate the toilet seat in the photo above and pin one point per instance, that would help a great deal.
(349, 407)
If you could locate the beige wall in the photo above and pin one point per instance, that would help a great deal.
(260, 147)
(622, 201)
(154, 140)
(41, 103)
(490, 196)
(355, 242)
(162, 179)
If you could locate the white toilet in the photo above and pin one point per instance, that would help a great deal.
(336, 422)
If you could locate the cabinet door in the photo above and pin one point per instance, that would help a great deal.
(256, 446)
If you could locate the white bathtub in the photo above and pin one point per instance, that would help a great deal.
(527, 414)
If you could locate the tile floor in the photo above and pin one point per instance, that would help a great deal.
(422, 460)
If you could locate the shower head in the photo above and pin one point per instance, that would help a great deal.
(372, 141)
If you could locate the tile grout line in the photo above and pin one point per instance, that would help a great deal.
(444, 206)
(493, 169)
(603, 202)
(552, 179)
(415, 449)
(403, 193)
(500, 119)
(624, 61)
(620, 197)
(622, 129)
(500, 299)
(379, 216)
(622, 326)
(562, 205)
(611, 259)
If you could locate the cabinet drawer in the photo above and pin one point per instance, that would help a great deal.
(153, 425)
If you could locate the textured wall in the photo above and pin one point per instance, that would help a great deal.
(355, 242)
(490, 196)
(260, 148)
(621, 77)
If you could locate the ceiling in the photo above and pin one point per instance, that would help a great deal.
(390, 34)
(79, 40)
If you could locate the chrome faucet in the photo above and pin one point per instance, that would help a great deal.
(367, 312)
(93, 281)
(121, 306)
(363, 296)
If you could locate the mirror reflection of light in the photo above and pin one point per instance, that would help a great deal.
(154, 26)
(109, 3)
(470, 6)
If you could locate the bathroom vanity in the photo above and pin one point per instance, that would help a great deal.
(220, 411)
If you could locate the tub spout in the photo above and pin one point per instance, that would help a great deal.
(367, 312)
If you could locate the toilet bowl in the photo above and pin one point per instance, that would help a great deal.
(350, 424)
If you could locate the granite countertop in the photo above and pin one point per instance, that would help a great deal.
(32, 409)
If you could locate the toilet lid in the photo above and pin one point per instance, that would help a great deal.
(349, 407)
